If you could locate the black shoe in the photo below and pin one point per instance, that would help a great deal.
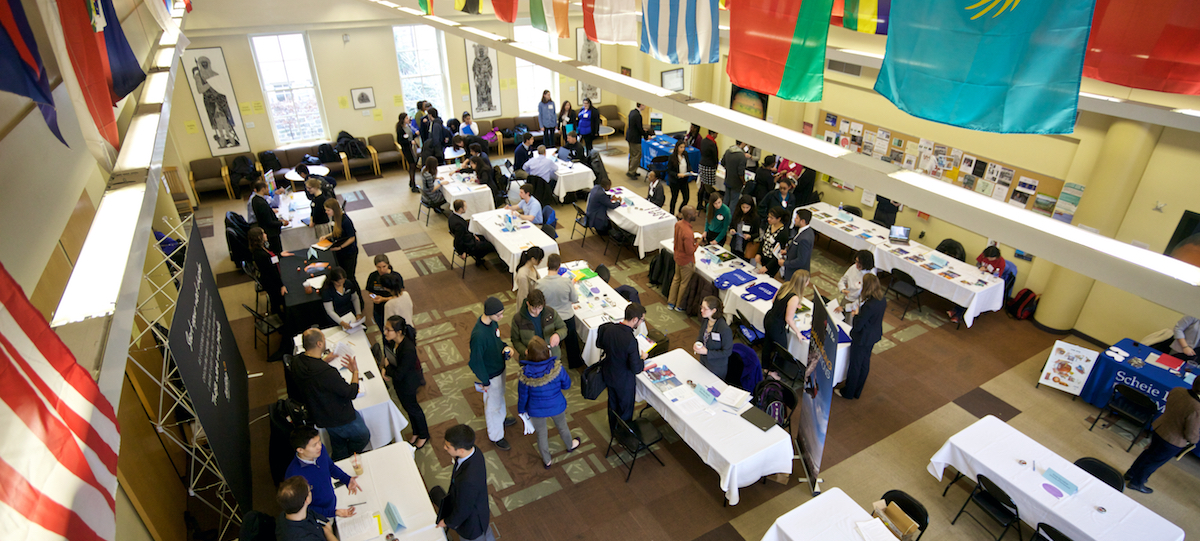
(482, 263)
(509, 421)
(502, 444)
(1127, 477)
(414, 189)
(1140, 488)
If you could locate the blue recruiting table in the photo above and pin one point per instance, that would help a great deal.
(662, 145)
(1155, 382)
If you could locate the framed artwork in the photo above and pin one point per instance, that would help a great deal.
(483, 76)
(588, 52)
(673, 79)
(208, 78)
(626, 71)
(363, 98)
(746, 101)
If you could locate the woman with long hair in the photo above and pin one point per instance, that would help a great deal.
(540, 397)
(744, 226)
(527, 272)
(589, 124)
(715, 342)
(484, 175)
(717, 224)
(568, 120)
(339, 297)
(405, 135)
(679, 175)
(774, 240)
(400, 303)
(376, 292)
(546, 120)
(431, 187)
(401, 366)
(782, 314)
(267, 264)
(468, 126)
(867, 330)
(692, 139)
(345, 243)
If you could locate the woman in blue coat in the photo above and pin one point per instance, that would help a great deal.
(540, 397)
(867, 330)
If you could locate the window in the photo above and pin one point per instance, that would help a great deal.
(286, 74)
(422, 67)
(533, 79)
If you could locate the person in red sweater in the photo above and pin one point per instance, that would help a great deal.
(991, 262)
(685, 254)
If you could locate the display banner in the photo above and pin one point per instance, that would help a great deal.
(817, 398)
(211, 367)
(1068, 367)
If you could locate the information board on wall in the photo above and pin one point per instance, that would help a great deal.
(204, 349)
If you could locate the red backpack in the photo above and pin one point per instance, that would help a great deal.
(1023, 304)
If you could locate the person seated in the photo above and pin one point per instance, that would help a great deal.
(468, 127)
(575, 148)
(598, 205)
(523, 152)
(484, 174)
(541, 166)
(476, 149)
(466, 242)
(296, 522)
(528, 209)
(313, 464)
(655, 194)
(431, 187)
(991, 262)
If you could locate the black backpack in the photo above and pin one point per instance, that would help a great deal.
(269, 161)
(243, 168)
(769, 398)
(1023, 304)
(326, 154)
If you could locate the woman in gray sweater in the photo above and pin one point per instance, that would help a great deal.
(715, 342)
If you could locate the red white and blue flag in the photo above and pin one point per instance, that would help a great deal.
(59, 436)
(21, 68)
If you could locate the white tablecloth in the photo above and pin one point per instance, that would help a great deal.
(738, 451)
(993, 448)
(648, 221)
(390, 475)
(383, 418)
(831, 516)
(977, 299)
(509, 245)
(478, 197)
(603, 300)
(295, 208)
(573, 177)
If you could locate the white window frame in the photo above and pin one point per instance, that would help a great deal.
(553, 39)
(312, 67)
(446, 108)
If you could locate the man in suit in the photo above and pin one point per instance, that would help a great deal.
(624, 362)
(521, 155)
(465, 241)
(1174, 430)
(635, 133)
(799, 249)
(735, 173)
(264, 216)
(598, 205)
(464, 508)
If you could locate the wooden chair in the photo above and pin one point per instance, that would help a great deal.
(208, 174)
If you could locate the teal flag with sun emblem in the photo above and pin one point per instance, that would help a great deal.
(1006, 66)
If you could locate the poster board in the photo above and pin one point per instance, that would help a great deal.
(209, 80)
(1068, 367)
(1019, 187)
(817, 398)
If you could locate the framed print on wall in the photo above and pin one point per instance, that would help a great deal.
(208, 78)
(588, 52)
(483, 78)
(363, 98)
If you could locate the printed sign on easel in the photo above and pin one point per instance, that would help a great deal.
(1068, 367)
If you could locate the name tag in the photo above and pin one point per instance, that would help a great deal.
(275, 259)
(715, 337)
(497, 333)
(721, 217)
(745, 228)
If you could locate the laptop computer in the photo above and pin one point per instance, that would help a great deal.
(564, 154)
(898, 234)
(759, 418)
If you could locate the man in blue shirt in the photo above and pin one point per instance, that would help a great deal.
(528, 208)
(314, 464)
(541, 166)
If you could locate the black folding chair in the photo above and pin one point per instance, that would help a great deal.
(783, 361)
(621, 239)
(851, 209)
(911, 507)
(742, 326)
(580, 221)
(904, 286)
(1133, 405)
(265, 325)
(1102, 471)
(996, 503)
(634, 438)
(1046, 532)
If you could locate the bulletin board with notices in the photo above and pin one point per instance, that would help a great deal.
(1022, 188)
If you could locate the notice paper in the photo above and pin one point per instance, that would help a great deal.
(360, 526)
(875, 530)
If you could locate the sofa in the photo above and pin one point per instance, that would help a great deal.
(290, 157)
(509, 124)
(613, 117)
(207, 175)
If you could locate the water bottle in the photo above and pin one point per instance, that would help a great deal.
(839, 207)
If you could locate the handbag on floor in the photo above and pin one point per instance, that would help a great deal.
(591, 383)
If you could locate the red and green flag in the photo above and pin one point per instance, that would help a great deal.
(426, 6)
(778, 47)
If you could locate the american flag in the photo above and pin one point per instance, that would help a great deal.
(58, 435)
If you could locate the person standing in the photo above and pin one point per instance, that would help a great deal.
(782, 314)
(343, 237)
(330, 399)
(318, 192)
(715, 342)
(680, 175)
(296, 522)
(799, 249)
(624, 361)
(685, 255)
(867, 330)
(655, 192)
(464, 508)
(851, 283)
(561, 296)
(716, 227)
(709, 158)
(526, 275)
(764, 181)
(589, 124)
(744, 229)
(267, 264)
(405, 136)
(540, 397)
(400, 302)
(402, 367)
(774, 241)
(735, 171)
(635, 133)
(782, 197)
(312, 463)
(568, 121)
(265, 215)
(546, 120)
(375, 289)
(1174, 430)
(536, 320)
(488, 355)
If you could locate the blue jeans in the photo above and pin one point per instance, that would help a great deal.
(1159, 452)
(731, 197)
(352, 437)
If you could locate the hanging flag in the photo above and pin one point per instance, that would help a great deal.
(544, 14)
(778, 47)
(506, 10)
(725, 4)
(681, 31)
(987, 65)
(126, 70)
(866, 16)
(187, 5)
(21, 69)
(612, 22)
(538, 15)
(59, 469)
(562, 15)
(467, 6)
(89, 59)
(426, 6)
(1155, 48)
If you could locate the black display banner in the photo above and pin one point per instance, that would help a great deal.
(211, 367)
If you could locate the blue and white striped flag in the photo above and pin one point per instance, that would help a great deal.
(681, 31)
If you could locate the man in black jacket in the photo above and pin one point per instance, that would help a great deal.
(264, 216)
(465, 241)
(464, 508)
(799, 249)
(521, 155)
(735, 173)
(635, 133)
(329, 398)
(575, 148)
(710, 156)
(764, 182)
(624, 361)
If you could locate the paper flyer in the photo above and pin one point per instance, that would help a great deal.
(956, 156)
(1044, 204)
(968, 164)
(856, 129)
(1068, 202)
(844, 127)
(885, 136)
